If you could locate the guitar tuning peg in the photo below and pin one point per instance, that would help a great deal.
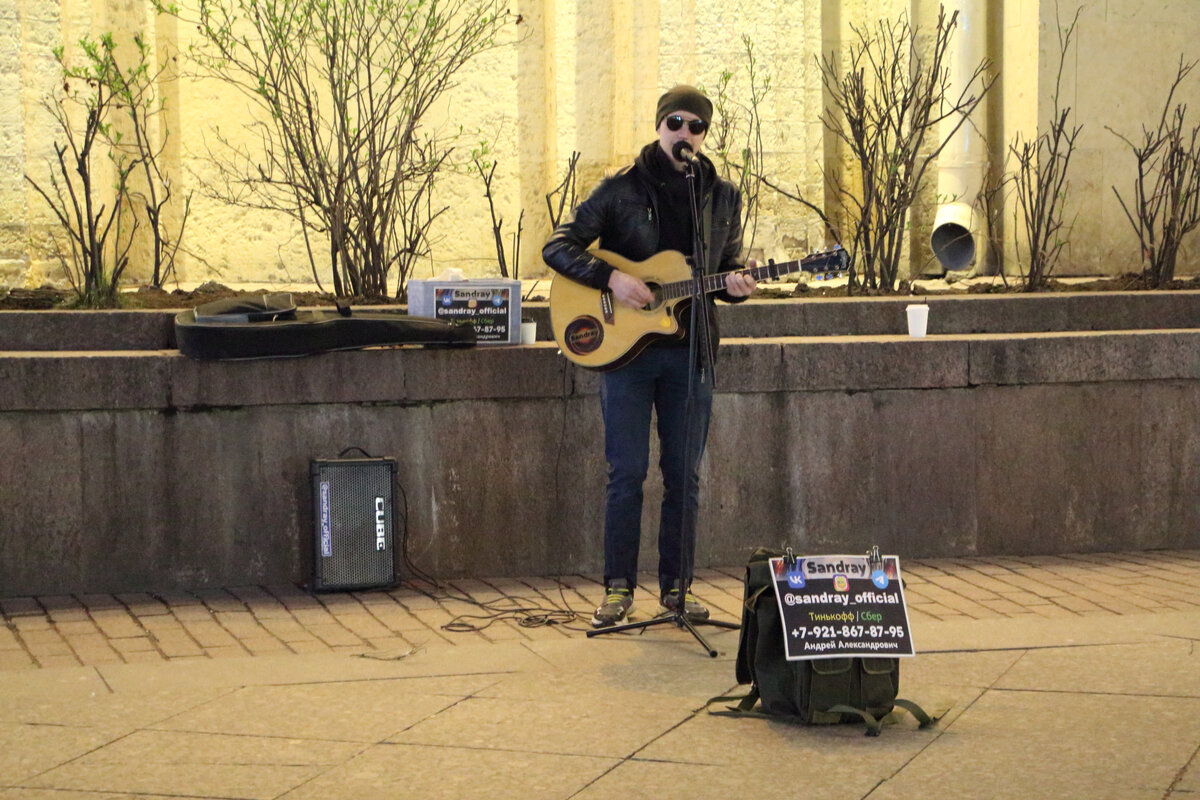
(771, 262)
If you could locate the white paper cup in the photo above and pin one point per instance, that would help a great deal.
(918, 319)
(528, 332)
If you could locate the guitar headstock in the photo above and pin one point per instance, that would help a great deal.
(834, 259)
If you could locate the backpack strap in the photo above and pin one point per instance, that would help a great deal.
(744, 702)
(924, 720)
(745, 708)
(875, 725)
(752, 599)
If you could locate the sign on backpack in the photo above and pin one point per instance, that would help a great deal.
(841, 606)
(820, 639)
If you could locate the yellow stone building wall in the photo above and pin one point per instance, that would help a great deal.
(584, 75)
(1128, 55)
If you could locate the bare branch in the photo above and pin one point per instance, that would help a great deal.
(889, 99)
(1041, 179)
(343, 89)
(1166, 195)
(91, 261)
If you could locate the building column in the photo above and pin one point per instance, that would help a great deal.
(537, 112)
(603, 86)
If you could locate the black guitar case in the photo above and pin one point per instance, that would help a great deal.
(270, 326)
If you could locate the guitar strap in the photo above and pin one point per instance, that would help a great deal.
(706, 213)
(706, 229)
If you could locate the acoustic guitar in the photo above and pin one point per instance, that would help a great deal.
(595, 331)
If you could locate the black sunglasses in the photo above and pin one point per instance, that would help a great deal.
(695, 126)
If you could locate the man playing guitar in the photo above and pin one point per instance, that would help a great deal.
(637, 213)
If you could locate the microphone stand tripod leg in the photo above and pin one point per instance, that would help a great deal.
(683, 622)
(628, 626)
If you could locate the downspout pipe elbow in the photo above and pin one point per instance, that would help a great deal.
(953, 239)
(959, 229)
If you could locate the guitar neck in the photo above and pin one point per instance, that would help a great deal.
(715, 283)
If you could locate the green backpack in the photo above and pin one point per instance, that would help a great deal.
(813, 691)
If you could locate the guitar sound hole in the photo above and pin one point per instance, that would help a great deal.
(658, 297)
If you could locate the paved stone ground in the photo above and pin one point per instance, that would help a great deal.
(1065, 677)
(86, 630)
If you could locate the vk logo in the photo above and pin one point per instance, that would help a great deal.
(795, 575)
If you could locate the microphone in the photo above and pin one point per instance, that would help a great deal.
(682, 151)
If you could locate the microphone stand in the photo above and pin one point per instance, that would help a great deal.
(701, 371)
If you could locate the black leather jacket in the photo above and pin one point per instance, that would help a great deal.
(623, 213)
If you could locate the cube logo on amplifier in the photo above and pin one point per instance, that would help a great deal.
(354, 523)
(380, 527)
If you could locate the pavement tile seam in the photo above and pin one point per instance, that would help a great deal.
(260, 620)
(288, 737)
(1178, 787)
(811, 734)
(1091, 693)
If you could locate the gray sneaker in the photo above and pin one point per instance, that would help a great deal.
(615, 608)
(693, 610)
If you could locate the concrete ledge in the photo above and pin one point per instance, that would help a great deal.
(147, 470)
(165, 379)
(87, 330)
(855, 364)
(1077, 358)
(865, 316)
(40, 381)
(965, 314)
(85, 380)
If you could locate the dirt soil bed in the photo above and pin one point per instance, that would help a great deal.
(47, 298)
(1130, 282)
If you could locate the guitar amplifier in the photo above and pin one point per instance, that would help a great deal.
(354, 524)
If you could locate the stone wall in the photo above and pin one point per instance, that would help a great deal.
(583, 77)
(145, 470)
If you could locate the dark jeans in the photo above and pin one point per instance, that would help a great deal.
(658, 379)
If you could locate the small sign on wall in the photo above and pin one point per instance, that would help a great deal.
(487, 309)
(492, 307)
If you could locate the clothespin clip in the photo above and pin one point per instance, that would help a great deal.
(874, 558)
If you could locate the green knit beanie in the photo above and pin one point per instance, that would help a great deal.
(684, 98)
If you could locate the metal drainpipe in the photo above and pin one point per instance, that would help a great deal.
(959, 227)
